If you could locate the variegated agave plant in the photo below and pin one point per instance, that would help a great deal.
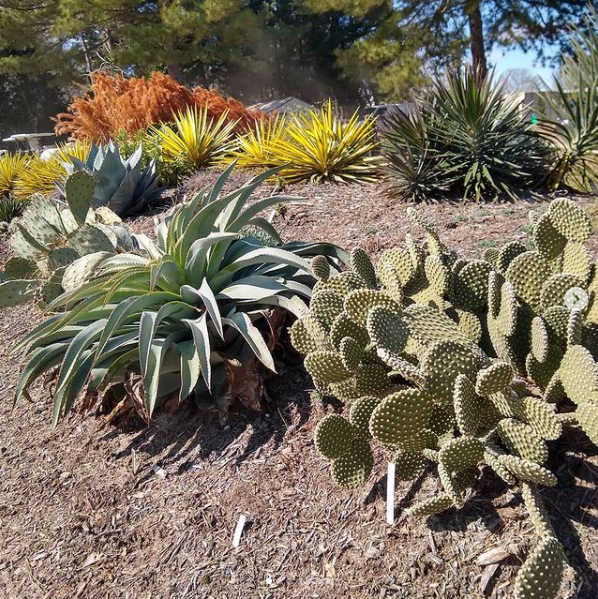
(184, 318)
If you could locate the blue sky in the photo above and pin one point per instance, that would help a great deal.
(504, 60)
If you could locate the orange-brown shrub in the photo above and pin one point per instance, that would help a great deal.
(114, 102)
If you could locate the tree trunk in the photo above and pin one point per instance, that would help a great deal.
(476, 31)
(174, 70)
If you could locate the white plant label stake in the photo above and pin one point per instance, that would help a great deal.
(239, 530)
(390, 494)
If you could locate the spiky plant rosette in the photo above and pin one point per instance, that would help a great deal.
(415, 164)
(320, 146)
(459, 364)
(187, 315)
(575, 101)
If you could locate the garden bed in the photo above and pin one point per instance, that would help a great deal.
(85, 511)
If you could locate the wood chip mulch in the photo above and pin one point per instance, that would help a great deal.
(90, 510)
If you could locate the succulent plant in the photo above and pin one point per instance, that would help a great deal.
(121, 185)
(188, 315)
(460, 363)
(47, 240)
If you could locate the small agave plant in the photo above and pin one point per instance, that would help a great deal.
(188, 317)
(121, 185)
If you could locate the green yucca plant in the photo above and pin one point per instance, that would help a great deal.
(575, 133)
(180, 317)
(11, 168)
(486, 139)
(254, 149)
(10, 208)
(39, 176)
(321, 147)
(414, 161)
(195, 138)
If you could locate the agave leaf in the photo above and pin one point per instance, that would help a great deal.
(42, 359)
(190, 368)
(253, 337)
(201, 338)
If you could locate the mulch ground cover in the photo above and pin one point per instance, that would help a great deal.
(94, 510)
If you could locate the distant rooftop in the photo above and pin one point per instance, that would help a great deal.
(289, 104)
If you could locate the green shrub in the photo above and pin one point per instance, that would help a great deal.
(468, 138)
(180, 316)
(460, 364)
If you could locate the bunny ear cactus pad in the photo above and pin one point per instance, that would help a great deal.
(508, 253)
(327, 367)
(401, 415)
(359, 303)
(326, 306)
(443, 363)
(496, 377)
(570, 220)
(541, 575)
(470, 286)
(522, 440)
(386, 329)
(527, 273)
(554, 289)
(320, 268)
(362, 265)
(547, 239)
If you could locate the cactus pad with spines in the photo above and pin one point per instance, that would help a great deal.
(326, 306)
(443, 363)
(401, 415)
(576, 261)
(549, 242)
(507, 254)
(333, 435)
(527, 471)
(408, 464)
(362, 265)
(359, 303)
(494, 378)
(327, 367)
(386, 329)
(570, 220)
(470, 287)
(554, 288)
(431, 506)
(527, 273)
(541, 418)
(361, 412)
(539, 339)
(540, 576)
(320, 268)
(522, 440)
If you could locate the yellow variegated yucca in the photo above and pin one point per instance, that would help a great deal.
(11, 167)
(320, 146)
(39, 176)
(254, 149)
(78, 149)
(195, 138)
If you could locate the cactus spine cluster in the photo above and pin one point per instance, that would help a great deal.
(461, 363)
(56, 248)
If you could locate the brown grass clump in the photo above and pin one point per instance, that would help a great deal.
(114, 102)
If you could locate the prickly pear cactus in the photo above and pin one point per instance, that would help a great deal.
(54, 248)
(462, 364)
